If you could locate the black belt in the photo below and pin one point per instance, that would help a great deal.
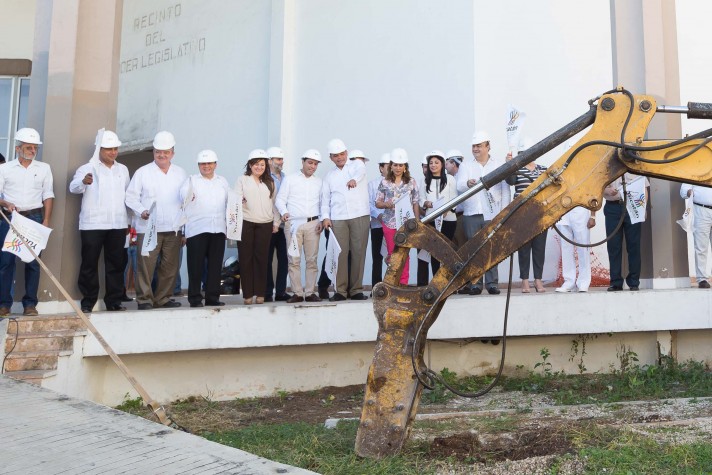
(312, 218)
(704, 206)
(615, 202)
(459, 213)
(26, 214)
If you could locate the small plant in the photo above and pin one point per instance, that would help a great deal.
(282, 395)
(328, 401)
(131, 405)
(440, 394)
(544, 364)
(627, 358)
(209, 397)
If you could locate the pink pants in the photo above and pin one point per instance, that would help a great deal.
(389, 235)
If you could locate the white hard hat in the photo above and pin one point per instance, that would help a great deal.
(312, 154)
(525, 144)
(207, 156)
(455, 156)
(110, 140)
(385, 158)
(336, 146)
(164, 141)
(398, 155)
(357, 154)
(424, 161)
(479, 137)
(275, 152)
(435, 153)
(258, 153)
(28, 135)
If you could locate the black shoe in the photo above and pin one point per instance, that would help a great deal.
(86, 309)
(126, 298)
(492, 290)
(281, 298)
(359, 296)
(337, 298)
(475, 291)
(465, 291)
(171, 304)
(145, 306)
(295, 299)
(703, 285)
(196, 304)
(312, 298)
(615, 288)
(323, 293)
(269, 298)
(634, 289)
(117, 307)
(217, 303)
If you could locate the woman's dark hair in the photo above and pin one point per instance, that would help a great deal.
(392, 177)
(266, 177)
(429, 175)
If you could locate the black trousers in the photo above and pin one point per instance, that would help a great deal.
(631, 231)
(205, 248)
(376, 257)
(537, 249)
(111, 241)
(278, 242)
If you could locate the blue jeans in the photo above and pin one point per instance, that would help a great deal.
(7, 273)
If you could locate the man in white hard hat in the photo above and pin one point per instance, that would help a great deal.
(205, 229)
(299, 203)
(26, 186)
(479, 210)
(345, 211)
(103, 223)
(278, 242)
(158, 182)
(376, 221)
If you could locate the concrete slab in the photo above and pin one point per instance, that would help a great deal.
(44, 432)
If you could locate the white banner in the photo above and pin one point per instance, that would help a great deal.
(439, 220)
(150, 238)
(234, 216)
(333, 249)
(635, 200)
(403, 210)
(34, 233)
(182, 217)
(687, 219)
(293, 244)
(515, 123)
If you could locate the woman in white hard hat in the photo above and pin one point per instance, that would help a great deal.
(257, 191)
(397, 185)
(205, 204)
(535, 249)
(437, 188)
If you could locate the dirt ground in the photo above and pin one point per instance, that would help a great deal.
(509, 431)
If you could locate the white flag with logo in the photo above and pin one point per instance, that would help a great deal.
(33, 232)
(333, 249)
(403, 210)
(182, 217)
(635, 200)
(234, 216)
(293, 244)
(150, 239)
(515, 123)
(687, 220)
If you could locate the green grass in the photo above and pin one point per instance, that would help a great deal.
(327, 451)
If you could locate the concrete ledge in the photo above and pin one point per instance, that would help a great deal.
(463, 317)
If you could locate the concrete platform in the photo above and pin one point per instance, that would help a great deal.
(44, 432)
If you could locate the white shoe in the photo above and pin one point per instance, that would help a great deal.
(583, 290)
(565, 289)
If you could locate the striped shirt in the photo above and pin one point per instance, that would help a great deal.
(524, 178)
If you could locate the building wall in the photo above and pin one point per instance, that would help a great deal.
(18, 29)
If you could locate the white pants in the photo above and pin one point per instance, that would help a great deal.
(577, 230)
(702, 232)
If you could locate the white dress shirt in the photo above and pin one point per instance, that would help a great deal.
(104, 201)
(375, 212)
(206, 210)
(700, 194)
(26, 188)
(149, 184)
(338, 201)
(299, 196)
(448, 193)
(487, 202)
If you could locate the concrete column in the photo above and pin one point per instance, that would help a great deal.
(645, 61)
(281, 80)
(74, 93)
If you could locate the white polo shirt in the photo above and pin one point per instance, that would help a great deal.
(299, 196)
(104, 201)
(487, 202)
(206, 210)
(26, 188)
(338, 201)
(150, 184)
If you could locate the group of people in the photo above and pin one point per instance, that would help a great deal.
(286, 215)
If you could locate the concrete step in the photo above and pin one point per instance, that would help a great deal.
(31, 376)
(39, 341)
(43, 323)
(34, 360)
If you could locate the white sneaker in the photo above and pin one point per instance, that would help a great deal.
(583, 290)
(565, 289)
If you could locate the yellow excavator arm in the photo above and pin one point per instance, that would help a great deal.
(613, 146)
